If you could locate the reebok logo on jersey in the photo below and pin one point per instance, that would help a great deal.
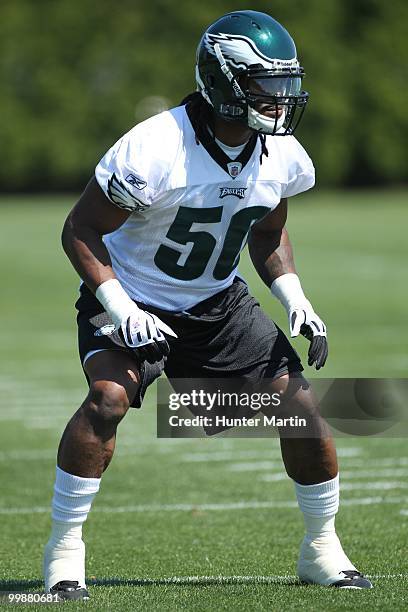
(238, 192)
(123, 197)
(136, 181)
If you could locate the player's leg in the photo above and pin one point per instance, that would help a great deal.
(312, 464)
(261, 352)
(85, 451)
(88, 442)
(309, 457)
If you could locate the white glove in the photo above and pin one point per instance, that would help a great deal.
(140, 330)
(302, 317)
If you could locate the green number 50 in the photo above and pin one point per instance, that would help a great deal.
(180, 231)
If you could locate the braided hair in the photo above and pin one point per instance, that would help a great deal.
(202, 112)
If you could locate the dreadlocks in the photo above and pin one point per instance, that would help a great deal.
(200, 109)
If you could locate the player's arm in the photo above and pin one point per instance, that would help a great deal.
(82, 238)
(271, 252)
(91, 218)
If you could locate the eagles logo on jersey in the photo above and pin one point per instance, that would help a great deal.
(122, 196)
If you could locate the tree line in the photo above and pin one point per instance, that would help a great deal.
(77, 75)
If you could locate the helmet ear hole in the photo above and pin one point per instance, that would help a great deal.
(210, 80)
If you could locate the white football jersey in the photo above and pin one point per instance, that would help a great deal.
(190, 215)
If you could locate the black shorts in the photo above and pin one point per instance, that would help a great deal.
(225, 336)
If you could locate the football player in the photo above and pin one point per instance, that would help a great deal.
(156, 238)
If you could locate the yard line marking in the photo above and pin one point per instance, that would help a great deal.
(349, 451)
(217, 580)
(392, 472)
(377, 576)
(346, 486)
(345, 476)
(287, 579)
(158, 447)
(383, 485)
(51, 453)
(241, 505)
(253, 454)
(274, 477)
(229, 455)
(208, 580)
(255, 466)
(28, 455)
(381, 461)
(39, 400)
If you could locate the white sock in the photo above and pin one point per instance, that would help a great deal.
(319, 504)
(73, 497)
(64, 557)
(322, 558)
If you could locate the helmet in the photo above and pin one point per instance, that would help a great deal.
(247, 64)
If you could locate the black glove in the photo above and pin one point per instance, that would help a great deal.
(305, 321)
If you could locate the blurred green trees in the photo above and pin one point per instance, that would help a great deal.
(75, 76)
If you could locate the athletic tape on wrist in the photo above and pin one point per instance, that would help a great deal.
(288, 290)
(115, 301)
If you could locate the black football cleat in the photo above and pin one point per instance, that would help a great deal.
(69, 590)
(352, 579)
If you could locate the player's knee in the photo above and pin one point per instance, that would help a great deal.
(296, 396)
(107, 403)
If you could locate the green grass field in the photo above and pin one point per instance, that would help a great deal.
(205, 524)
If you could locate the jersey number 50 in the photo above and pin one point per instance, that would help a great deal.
(167, 258)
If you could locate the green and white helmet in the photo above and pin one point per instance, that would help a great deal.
(246, 64)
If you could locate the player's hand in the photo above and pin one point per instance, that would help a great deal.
(143, 332)
(303, 320)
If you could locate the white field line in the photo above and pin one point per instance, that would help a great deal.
(51, 453)
(349, 452)
(380, 462)
(345, 475)
(161, 446)
(218, 456)
(288, 579)
(241, 505)
(45, 398)
(281, 476)
(217, 580)
(28, 455)
(384, 485)
(374, 473)
(27, 415)
(157, 447)
(45, 454)
(255, 466)
(252, 454)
